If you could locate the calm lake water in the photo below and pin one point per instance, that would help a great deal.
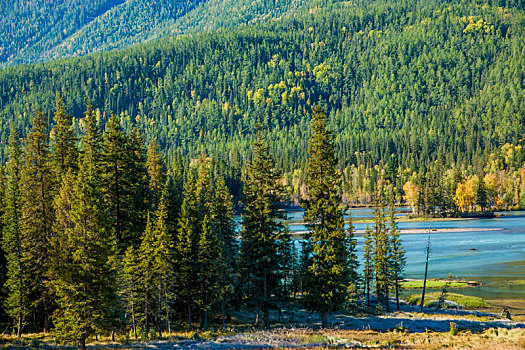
(498, 260)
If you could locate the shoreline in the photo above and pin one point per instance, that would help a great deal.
(417, 231)
(403, 219)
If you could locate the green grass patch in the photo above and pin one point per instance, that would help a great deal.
(468, 302)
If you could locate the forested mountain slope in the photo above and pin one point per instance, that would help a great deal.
(424, 81)
(43, 30)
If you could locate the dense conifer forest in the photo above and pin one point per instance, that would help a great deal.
(122, 171)
(430, 93)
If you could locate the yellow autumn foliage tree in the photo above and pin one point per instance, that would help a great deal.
(465, 196)
(411, 194)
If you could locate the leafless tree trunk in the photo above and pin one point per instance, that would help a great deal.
(426, 272)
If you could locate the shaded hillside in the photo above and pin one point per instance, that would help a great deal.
(30, 29)
(40, 31)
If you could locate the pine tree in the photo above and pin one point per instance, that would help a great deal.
(204, 184)
(17, 303)
(146, 266)
(353, 260)
(186, 244)
(223, 225)
(3, 258)
(303, 264)
(222, 219)
(114, 180)
(285, 248)
(177, 175)
(210, 269)
(37, 216)
(481, 195)
(156, 172)
(295, 273)
(209, 262)
(91, 141)
(163, 268)
(63, 142)
(138, 191)
(259, 260)
(286, 251)
(368, 268)
(82, 258)
(382, 253)
(397, 258)
(129, 286)
(183, 260)
(330, 266)
(174, 193)
(124, 182)
(156, 270)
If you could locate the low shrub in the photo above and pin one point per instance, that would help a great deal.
(453, 328)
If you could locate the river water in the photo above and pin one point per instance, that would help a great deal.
(490, 251)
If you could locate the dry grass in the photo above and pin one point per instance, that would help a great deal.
(243, 336)
(322, 339)
(500, 339)
(47, 340)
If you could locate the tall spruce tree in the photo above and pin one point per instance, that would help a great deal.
(223, 225)
(174, 193)
(91, 141)
(285, 247)
(3, 258)
(137, 195)
(162, 268)
(209, 246)
(124, 182)
(204, 184)
(156, 173)
(353, 260)
(177, 175)
(146, 262)
(156, 271)
(329, 246)
(382, 253)
(37, 217)
(186, 244)
(114, 180)
(295, 272)
(397, 257)
(261, 220)
(368, 262)
(210, 269)
(129, 286)
(64, 151)
(82, 255)
(17, 303)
